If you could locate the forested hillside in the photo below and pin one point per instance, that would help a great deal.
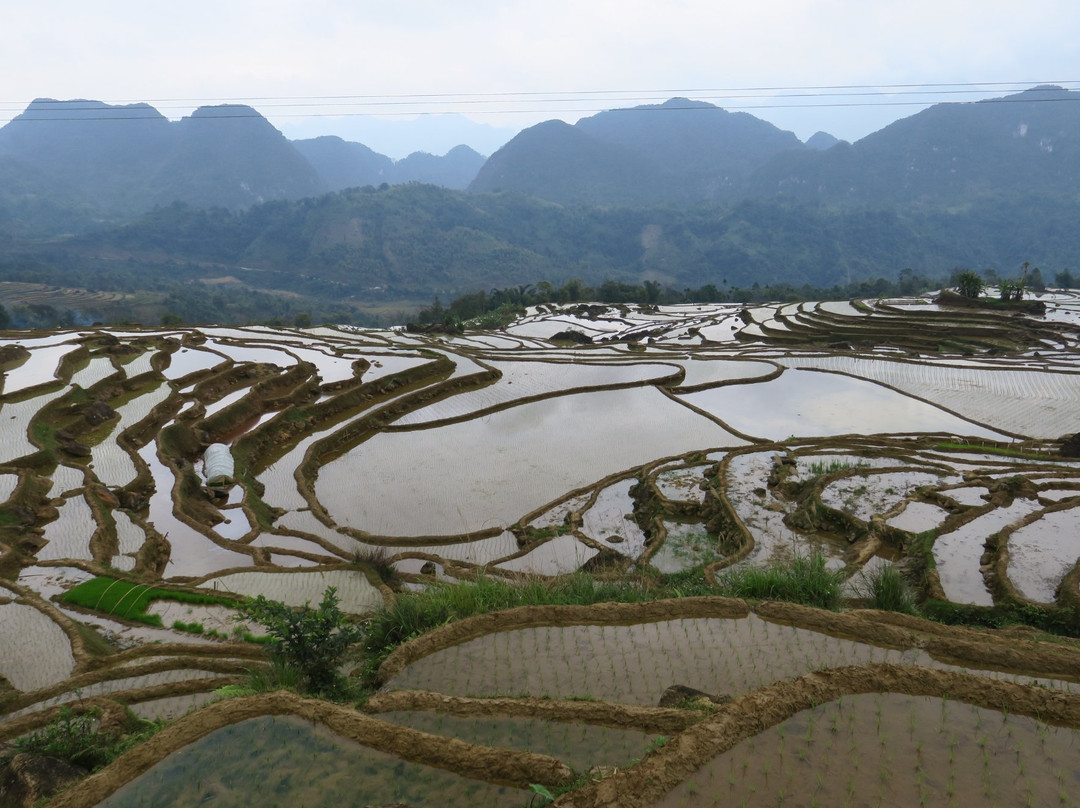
(415, 241)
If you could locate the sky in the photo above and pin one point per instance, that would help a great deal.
(427, 74)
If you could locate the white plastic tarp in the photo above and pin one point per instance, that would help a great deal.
(218, 464)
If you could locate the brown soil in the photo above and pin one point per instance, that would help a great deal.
(501, 766)
(600, 713)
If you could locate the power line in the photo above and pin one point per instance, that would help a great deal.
(667, 92)
(386, 106)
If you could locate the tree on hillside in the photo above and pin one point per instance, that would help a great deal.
(968, 283)
(1011, 289)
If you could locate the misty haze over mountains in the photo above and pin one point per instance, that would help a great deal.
(119, 161)
(681, 192)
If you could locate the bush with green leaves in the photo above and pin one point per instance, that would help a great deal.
(313, 641)
(76, 739)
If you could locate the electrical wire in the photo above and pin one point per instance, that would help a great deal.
(526, 103)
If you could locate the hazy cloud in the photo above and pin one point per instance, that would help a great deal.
(268, 49)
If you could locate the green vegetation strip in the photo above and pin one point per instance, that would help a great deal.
(130, 601)
(415, 613)
(998, 450)
(1052, 620)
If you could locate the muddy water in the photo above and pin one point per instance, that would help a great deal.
(918, 517)
(579, 746)
(492, 470)
(635, 664)
(36, 653)
(803, 402)
(1041, 553)
(864, 495)
(957, 554)
(686, 545)
(192, 553)
(895, 751)
(612, 516)
(289, 762)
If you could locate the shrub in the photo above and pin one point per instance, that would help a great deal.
(76, 739)
(313, 641)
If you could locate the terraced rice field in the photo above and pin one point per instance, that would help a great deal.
(684, 440)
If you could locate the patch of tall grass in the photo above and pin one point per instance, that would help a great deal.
(414, 613)
(885, 589)
(801, 579)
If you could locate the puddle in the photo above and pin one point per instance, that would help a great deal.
(579, 746)
(40, 368)
(865, 495)
(37, 652)
(682, 485)
(1024, 402)
(528, 379)
(557, 556)
(69, 535)
(355, 594)
(635, 664)
(191, 360)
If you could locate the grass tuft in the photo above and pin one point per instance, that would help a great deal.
(802, 579)
(886, 589)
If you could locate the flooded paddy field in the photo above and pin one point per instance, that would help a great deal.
(661, 442)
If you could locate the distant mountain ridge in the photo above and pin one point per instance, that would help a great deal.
(680, 151)
(126, 159)
(686, 152)
(343, 164)
(63, 159)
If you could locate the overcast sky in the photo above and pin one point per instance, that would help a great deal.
(511, 63)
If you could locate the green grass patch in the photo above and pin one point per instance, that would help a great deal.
(801, 579)
(1052, 620)
(997, 450)
(886, 589)
(130, 601)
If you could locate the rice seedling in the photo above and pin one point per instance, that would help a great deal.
(127, 600)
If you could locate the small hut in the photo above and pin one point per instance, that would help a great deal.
(218, 466)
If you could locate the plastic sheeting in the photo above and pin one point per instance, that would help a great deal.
(218, 464)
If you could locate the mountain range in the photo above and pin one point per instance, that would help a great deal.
(681, 193)
(113, 162)
(687, 152)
